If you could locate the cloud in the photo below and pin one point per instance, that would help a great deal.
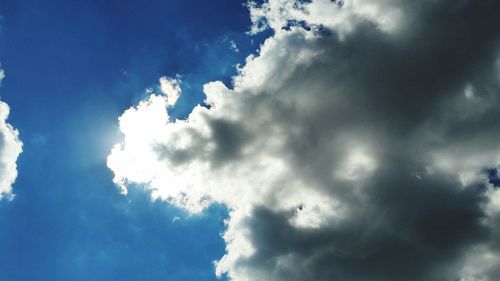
(170, 87)
(233, 46)
(10, 148)
(358, 144)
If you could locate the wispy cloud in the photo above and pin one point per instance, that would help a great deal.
(2, 75)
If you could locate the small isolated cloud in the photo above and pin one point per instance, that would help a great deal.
(359, 144)
(233, 46)
(10, 148)
(170, 87)
(2, 75)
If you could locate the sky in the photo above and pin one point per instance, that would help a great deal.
(71, 69)
(295, 140)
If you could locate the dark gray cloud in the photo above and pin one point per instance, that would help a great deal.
(362, 153)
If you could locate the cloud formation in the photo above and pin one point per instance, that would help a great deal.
(360, 143)
(171, 88)
(10, 148)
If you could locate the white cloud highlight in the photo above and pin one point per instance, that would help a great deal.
(10, 148)
(170, 87)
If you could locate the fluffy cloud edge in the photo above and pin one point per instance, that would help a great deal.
(10, 149)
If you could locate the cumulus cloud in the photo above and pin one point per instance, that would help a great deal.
(10, 148)
(360, 143)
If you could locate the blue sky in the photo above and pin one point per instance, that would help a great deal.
(72, 69)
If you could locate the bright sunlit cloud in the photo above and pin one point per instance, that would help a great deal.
(10, 148)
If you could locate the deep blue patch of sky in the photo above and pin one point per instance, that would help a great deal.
(72, 68)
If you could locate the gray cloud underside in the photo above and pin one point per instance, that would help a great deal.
(397, 128)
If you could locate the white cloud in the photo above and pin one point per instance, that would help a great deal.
(10, 148)
(170, 87)
(315, 149)
(342, 16)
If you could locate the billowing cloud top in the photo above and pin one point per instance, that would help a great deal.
(361, 143)
(10, 148)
